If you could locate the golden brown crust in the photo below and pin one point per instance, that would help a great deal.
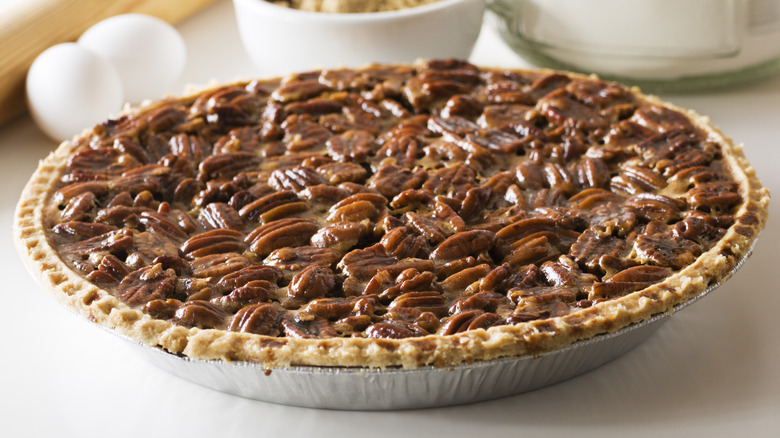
(97, 305)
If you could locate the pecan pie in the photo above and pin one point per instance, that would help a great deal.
(404, 215)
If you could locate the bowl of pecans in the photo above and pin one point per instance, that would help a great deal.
(285, 36)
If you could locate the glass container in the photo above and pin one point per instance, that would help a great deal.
(660, 45)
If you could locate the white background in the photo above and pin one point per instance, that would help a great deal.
(712, 370)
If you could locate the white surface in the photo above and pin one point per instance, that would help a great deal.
(713, 370)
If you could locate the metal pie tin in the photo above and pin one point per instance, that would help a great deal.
(426, 387)
(389, 389)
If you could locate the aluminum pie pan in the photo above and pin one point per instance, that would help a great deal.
(394, 389)
(426, 387)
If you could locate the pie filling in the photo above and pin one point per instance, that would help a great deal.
(390, 201)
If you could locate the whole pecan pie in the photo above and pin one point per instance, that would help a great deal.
(403, 215)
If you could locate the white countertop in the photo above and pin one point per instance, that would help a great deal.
(712, 370)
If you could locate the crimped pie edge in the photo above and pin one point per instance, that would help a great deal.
(98, 306)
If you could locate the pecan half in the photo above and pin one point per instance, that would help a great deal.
(295, 179)
(227, 165)
(80, 207)
(147, 284)
(109, 271)
(214, 242)
(452, 181)
(426, 301)
(530, 175)
(243, 276)
(428, 226)
(534, 239)
(252, 292)
(394, 330)
(357, 207)
(470, 320)
(217, 265)
(77, 230)
(461, 280)
(281, 233)
(162, 309)
(314, 281)
(340, 236)
(485, 300)
(352, 145)
(296, 90)
(115, 242)
(202, 314)
(365, 263)
(652, 206)
(261, 319)
(391, 180)
(332, 308)
(402, 242)
(263, 208)
(402, 151)
(593, 197)
(464, 244)
(716, 195)
(600, 252)
(664, 249)
(303, 134)
(304, 326)
(295, 259)
(221, 215)
(65, 194)
(191, 147)
(592, 173)
(337, 173)
(462, 105)
(162, 224)
(629, 280)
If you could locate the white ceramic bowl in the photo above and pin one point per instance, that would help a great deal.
(280, 40)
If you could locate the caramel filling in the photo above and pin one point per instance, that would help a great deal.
(393, 201)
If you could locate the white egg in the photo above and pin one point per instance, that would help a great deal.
(70, 88)
(148, 53)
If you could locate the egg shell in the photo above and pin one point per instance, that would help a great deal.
(69, 88)
(148, 53)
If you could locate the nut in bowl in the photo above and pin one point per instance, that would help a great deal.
(280, 40)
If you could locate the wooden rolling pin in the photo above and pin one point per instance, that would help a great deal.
(31, 26)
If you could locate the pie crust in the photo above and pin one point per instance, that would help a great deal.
(435, 89)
